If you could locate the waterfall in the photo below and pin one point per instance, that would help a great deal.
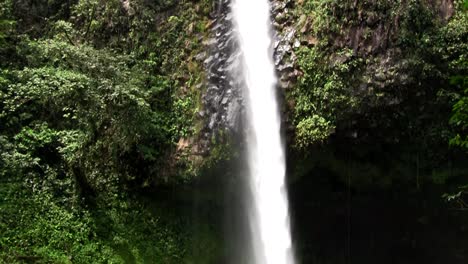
(268, 212)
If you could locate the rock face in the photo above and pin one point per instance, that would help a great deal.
(223, 99)
(370, 33)
(368, 45)
(286, 40)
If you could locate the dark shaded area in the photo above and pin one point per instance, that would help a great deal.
(335, 223)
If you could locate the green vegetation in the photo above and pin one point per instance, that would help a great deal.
(94, 96)
(388, 56)
(459, 79)
(377, 75)
(99, 98)
(322, 95)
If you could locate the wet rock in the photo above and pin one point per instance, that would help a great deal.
(200, 56)
(285, 66)
(221, 98)
(224, 101)
(284, 84)
(289, 35)
(208, 60)
(297, 43)
(233, 117)
(278, 6)
(286, 41)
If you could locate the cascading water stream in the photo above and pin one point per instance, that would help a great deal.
(268, 212)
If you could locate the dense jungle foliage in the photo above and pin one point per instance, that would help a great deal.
(383, 78)
(96, 95)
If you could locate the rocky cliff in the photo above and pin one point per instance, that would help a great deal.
(361, 72)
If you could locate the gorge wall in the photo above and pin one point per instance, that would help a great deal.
(355, 72)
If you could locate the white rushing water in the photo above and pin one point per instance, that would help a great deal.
(269, 216)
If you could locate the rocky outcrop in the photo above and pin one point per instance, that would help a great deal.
(223, 104)
(364, 33)
(369, 31)
(223, 98)
(285, 41)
